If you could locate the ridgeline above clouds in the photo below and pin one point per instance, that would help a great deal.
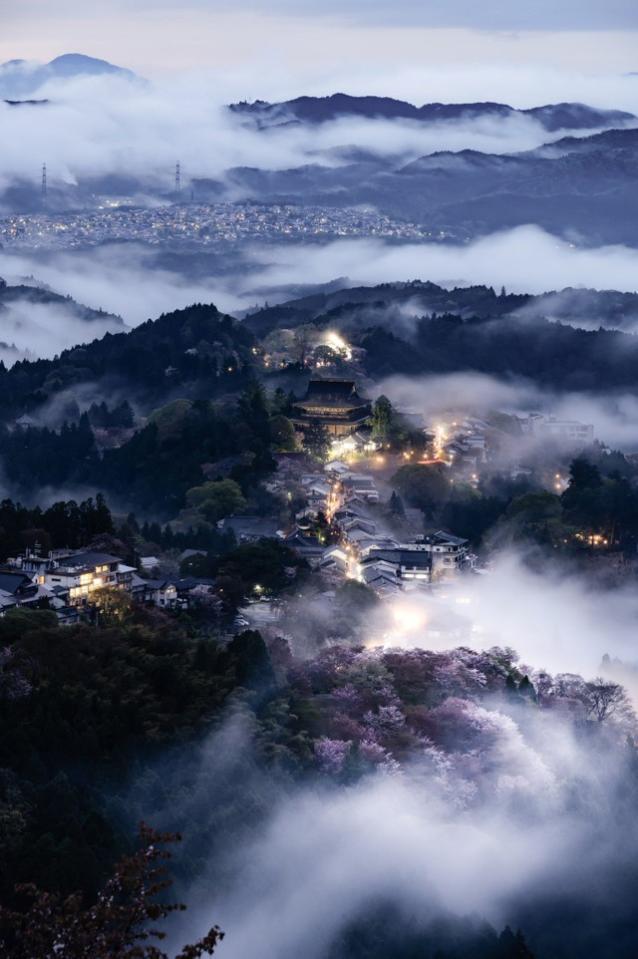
(312, 110)
(23, 78)
(458, 170)
(37, 322)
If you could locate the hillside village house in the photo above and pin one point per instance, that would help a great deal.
(571, 432)
(360, 485)
(18, 589)
(429, 558)
(65, 582)
(333, 404)
(250, 529)
(178, 593)
(448, 552)
(82, 573)
(405, 562)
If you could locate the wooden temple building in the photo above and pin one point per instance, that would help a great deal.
(335, 405)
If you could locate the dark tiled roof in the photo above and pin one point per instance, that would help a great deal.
(440, 538)
(359, 482)
(190, 582)
(339, 389)
(263, 526)
(332, 393)
(403, 557)
(182, 585)
(11, 582)
(382, 579)
(297, 540)
(88, 559)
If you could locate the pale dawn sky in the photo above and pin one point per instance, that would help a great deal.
(346, 36)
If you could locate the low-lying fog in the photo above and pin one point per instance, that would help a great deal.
(94, 125)
(510, 832)
(525, 260)
(126, 280)
(614, 415)
(42, 330)
(555, 621)
(534, 825)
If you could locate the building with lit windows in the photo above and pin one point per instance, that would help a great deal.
(82, 573)
(429, 558)
(333, 404)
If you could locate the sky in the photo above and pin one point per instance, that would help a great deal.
(339, 37)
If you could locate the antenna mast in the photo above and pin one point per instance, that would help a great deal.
(44, 182)
(178, 178)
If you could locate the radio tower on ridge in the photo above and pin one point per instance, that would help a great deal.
(44, 183)
(178, 179)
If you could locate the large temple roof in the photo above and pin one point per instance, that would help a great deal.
(326, 393)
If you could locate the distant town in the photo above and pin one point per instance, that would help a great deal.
(203, 224)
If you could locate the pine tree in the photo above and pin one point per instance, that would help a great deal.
(382, 415)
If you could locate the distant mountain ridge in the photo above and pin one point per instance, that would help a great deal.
(314, 110)
(412, 327)
(35, 321)
(579, 185)
(353, 308)
(194, 352)
(623, 139)
(583, 184)
(21, 79)
(557, 339)
(38, 294)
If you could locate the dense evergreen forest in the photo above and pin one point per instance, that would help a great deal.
(570, 340)
(153, 469)
(542, 351)
(197, 348)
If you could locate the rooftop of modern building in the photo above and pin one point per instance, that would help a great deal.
(400, 555)
(88, 559)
